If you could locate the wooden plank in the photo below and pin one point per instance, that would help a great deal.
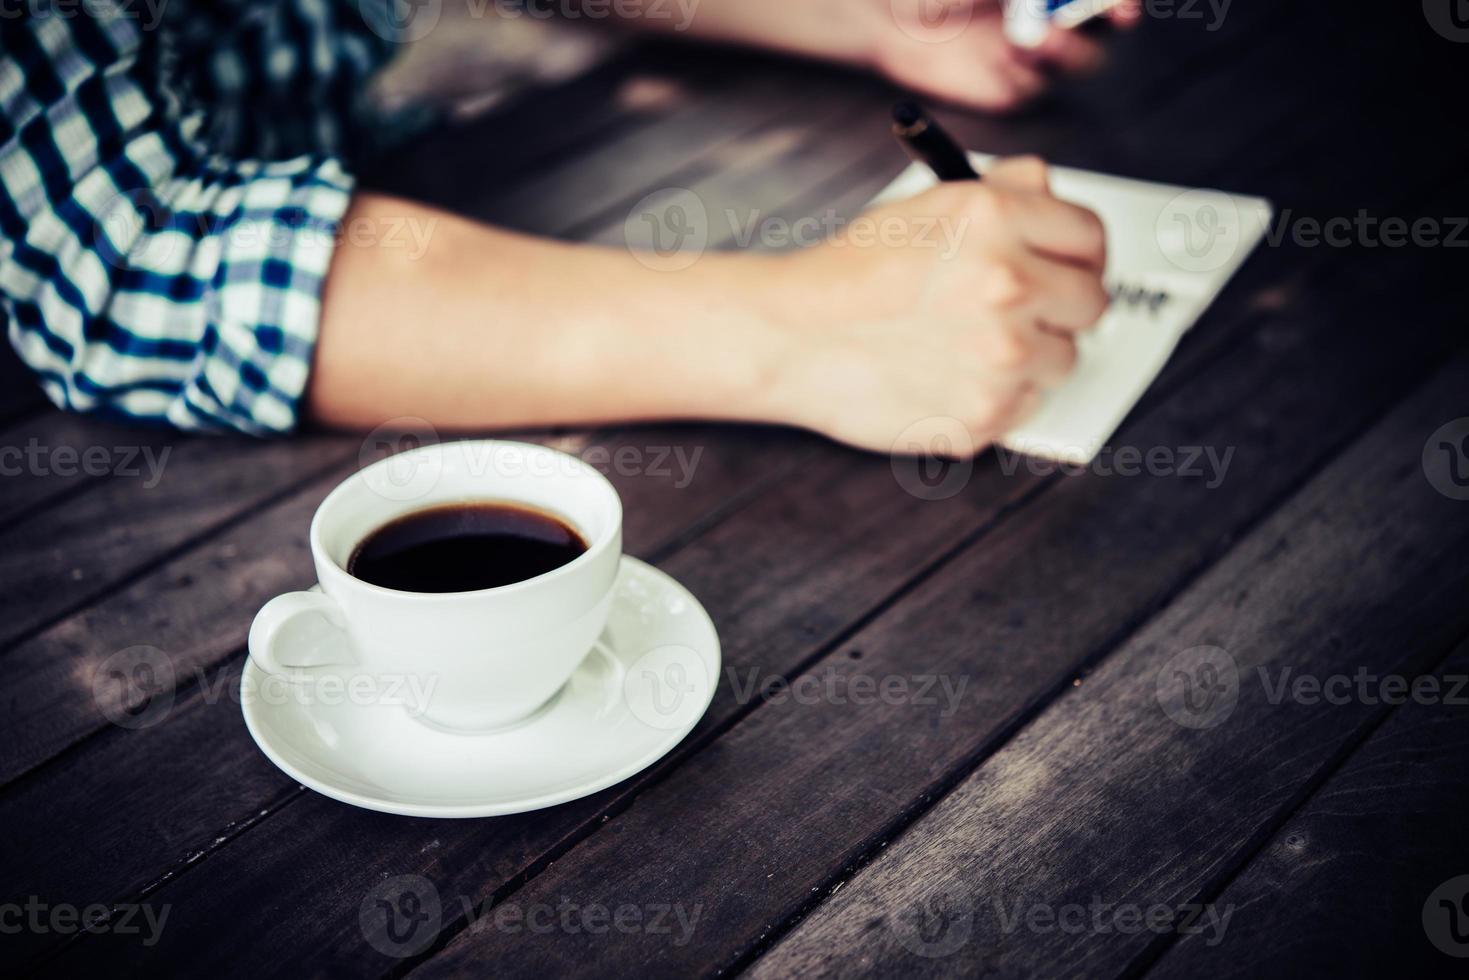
(692, 140)
(776, 456)
(382, 844)
(197, 606)
(541, 127)
(739, 573)
(66, 557)
(650, 510)
(148, 765)
(48, 457)
(66, 597)
(781, 169)
(1123, 796)
(1015, 615)
(583, 108)
(1343, 887)
(764, 465)
(19, 392)
(74, 555)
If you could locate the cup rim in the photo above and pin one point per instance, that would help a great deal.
(594, 548)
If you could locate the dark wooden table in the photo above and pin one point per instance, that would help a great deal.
(1068, 812)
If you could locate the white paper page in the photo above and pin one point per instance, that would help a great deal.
(1170, 252)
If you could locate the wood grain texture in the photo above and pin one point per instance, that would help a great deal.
(813, 561)
(53, 455)
(799, 789)
(1278, 336)
(173, 491)
(501, 147)
(19, 392)
(193, 614)
(79, 552)
(1344, 886)
(1161, 800)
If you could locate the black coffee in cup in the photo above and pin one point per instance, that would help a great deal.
(464, 548)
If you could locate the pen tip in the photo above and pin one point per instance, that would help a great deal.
(907, 113)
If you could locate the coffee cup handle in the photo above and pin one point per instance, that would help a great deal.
(279, 613)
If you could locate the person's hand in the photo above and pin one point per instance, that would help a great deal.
(962, 303)
(956, 50)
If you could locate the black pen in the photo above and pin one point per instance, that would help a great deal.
(925, 141)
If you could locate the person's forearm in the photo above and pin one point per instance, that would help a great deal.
(488, 329)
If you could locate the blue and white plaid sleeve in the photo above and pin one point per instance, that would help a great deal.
(145, 274)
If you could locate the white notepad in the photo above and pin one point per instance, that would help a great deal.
(1170, 252)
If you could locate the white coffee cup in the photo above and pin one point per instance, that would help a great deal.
(488, 658)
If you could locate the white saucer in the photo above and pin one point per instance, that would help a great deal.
(636, 696)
